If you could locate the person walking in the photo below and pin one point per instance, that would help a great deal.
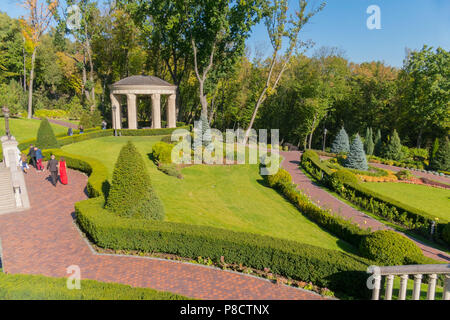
(39, 158)
(52, 166)
(70, 132)
(32, 155)
(62, 171)
(104, 125)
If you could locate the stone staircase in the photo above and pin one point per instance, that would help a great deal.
(7, 198)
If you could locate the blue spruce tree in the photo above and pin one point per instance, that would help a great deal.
(356, 158)
(340, 143)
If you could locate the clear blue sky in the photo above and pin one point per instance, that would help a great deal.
(342, 24)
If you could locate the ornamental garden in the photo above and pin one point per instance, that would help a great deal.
(341, 156)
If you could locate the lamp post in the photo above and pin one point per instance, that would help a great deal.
(324, 138)
(114, 109)
(6, 114)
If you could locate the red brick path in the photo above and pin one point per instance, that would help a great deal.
(291, 162)
(44, 240)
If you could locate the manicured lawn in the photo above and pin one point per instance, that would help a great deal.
(24, 129)
(230, 197)
(30, 287)
(434, 201)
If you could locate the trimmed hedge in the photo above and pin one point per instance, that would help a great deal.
(149, 132)
(45, 136)
(414, 219)
(131, 194)
(341, 272)
(390, 248)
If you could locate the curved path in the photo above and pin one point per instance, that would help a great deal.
(45, 240)
(291, 162)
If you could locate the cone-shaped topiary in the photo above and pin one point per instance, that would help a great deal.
(433, 150)
(393, 150)
(377, 144)
(45, 136)
(341, 142)
(131, 194)
(356, 158)
(441, 160)
(368, 142)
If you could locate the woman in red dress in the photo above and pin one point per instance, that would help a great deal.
(62, 171)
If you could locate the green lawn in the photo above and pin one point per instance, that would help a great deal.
(434, 201)
(24, 129)
(230, 197)
(31, 287)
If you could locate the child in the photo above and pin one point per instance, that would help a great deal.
(23, 162)
(62, 171)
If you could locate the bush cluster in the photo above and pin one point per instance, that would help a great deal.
(170, 169)
(279, 179)
(390, 248)
(131, 194)
(162, 152)
(51, 113)
(149, 132)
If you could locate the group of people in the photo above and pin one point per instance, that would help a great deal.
(55, 167)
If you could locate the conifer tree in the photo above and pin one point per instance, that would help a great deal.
(356, 157)
(433, 150)
(131, 194)
(340, 143)
(393, 150)
(377, 144)
(368, 143)
(45, 136)
(441, 160)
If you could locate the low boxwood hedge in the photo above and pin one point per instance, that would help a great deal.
(341, 272)
(150, 132)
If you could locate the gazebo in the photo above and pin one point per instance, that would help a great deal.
(133, 86)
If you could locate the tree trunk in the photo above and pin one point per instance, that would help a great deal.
(313, 128)
(24, 71)
(419, 138)
(30, 86)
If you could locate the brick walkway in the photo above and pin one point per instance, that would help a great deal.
(44, 240)
(291, 162)
(61, 123)
(416, 173)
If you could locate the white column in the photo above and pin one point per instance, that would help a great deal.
(431, 286)
(132, 112)
(171, 112)
(446, 293)
(389, 287)
(117, 123)
(156, 111)
(403, 287)
(376, 289)
(417, 286)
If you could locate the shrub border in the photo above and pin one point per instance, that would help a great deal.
(333, 269)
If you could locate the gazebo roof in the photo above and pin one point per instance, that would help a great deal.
(140, 81)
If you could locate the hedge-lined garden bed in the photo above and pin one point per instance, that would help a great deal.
(327, 268)
(383, 206)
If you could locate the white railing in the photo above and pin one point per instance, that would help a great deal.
(417, 271)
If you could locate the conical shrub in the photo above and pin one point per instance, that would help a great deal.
(131, 194)
(377, 144)
(356, 157)
(341, 142)
(45, 136)
(441, 160)
(393, 150)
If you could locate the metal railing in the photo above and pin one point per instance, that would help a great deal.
(417, 271)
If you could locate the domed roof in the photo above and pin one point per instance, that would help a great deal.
(142, 81)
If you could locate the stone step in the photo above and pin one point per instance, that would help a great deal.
(7, 199)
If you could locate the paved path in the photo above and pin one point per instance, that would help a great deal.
(291, 162)
(44, 240)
